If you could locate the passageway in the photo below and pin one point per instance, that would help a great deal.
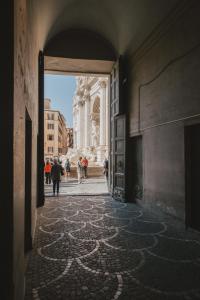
(90, 247)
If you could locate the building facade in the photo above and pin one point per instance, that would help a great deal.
(55, 132)
(90, 117)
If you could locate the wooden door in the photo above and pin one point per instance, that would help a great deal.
(117, 157)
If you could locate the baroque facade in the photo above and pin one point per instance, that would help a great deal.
(55, 132)
(90, 117)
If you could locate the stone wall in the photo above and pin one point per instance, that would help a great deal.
(25, 97)
(165, 89)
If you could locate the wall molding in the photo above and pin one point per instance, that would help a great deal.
(158, 75)
(161, 30)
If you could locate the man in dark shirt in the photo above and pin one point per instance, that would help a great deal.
(56, 172)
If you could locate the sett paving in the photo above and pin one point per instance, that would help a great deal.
(92, 247)
(70, 186)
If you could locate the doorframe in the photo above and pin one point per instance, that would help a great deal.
(40, 135)
(28, 184)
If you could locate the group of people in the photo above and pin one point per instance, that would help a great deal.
(82, 166)
(54, 170)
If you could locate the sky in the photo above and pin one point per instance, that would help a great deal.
(60, 89)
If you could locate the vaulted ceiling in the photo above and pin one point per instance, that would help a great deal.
(125, 24)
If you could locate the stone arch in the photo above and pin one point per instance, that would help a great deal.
(80, 44)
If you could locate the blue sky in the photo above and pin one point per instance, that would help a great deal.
(60, 89)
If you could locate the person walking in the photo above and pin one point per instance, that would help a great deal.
(84, 163)
(79, 170)
(56, 172)
(67, 167)
(47, 171)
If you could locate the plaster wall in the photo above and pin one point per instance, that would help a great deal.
(165, 89)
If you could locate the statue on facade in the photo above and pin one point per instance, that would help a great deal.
(95, 133)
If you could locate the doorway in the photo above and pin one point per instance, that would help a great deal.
(192, 167)
(62, 57)
(28, 168)
(76, 124)
(135, 169)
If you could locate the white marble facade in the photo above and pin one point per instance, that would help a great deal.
(90, 117)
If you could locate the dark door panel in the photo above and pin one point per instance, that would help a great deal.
(192, 164)
(117, 157)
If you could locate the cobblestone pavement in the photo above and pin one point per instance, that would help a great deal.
(90, 247)
(89, 186)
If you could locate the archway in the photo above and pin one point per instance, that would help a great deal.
(82, 52)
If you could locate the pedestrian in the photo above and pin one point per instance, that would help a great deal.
(79, 170)
(47, 171)
(84, 163)
(56, 173)
(67, 167)
(105, 166)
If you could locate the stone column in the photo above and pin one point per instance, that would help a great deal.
(75, 126)
(103, 114)
(78, 126)
(87, 122)
(107, 117)
(81, 124)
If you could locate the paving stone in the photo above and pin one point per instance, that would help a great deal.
(92, 247)
(70, 186)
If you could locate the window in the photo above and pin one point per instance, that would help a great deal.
(50, 116)
(50, 149)
(60, 150)
(50, 137)
(50, 126)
